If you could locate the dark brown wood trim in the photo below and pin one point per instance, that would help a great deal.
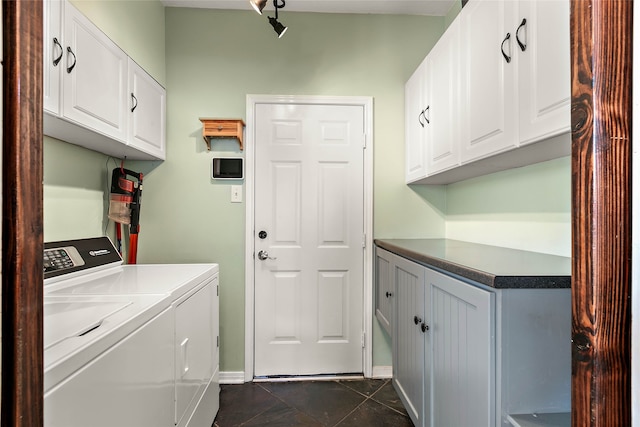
(601, 75)
(22, 230)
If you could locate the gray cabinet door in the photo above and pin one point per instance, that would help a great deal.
(385, 288)
(461, 362)
(409, 375)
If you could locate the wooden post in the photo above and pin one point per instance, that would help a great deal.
(601, 75)
(22, 238)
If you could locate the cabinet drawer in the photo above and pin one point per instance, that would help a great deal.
(221, 128)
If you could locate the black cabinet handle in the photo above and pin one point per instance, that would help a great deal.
(424, 327)
(134, 99)
(506, 57)
(523, 46)
(57, 60)
(422, 114)
(74, 60)
(416, 320)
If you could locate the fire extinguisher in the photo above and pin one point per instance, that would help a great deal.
(124, 207)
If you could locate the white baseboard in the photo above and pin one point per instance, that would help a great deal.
(233, 377)
(382, 372)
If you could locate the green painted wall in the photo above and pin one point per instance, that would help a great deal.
(216, 58)
(525, 208)
(453, 13)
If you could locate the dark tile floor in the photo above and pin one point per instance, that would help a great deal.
(344, 403)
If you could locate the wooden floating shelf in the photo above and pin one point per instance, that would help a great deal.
(222, 128)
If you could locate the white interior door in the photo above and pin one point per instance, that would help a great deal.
(309, 220)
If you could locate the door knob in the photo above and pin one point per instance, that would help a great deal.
(263, 255)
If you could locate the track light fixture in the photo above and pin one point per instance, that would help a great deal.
(258, 5)
(278, 27)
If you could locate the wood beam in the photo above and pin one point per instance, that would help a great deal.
(601, 75)
(22, 230)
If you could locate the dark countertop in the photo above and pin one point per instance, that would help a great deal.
(498, 267)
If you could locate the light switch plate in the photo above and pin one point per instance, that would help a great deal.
(236, 194)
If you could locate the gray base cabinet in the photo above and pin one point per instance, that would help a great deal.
(384, 289)
(462, 359)
(465, 354)
(410, 372)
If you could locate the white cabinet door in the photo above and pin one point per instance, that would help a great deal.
(443, 83)
(416, 125)
(490, 109)
(409, 375)
(146, 112)
(195, 349)
(461, 329)
(384, 289)
(544, 69)
(94, 77)
(53, 54)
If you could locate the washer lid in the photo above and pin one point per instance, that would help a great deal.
(71, 319)
(164, 279)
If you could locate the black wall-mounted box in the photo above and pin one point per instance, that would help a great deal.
(227, 168)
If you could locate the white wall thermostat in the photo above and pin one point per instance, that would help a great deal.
(227, 168)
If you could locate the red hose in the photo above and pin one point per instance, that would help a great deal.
(133, 249)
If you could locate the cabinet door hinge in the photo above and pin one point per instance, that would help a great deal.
(364, 140)
(364, 240)
(363, 339)
(218, 341)
(217, 290)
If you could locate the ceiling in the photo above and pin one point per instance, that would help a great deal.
(402, 7)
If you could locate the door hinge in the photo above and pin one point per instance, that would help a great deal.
(218, 341)
(363, 339)
(364, 240)
(364, 140)
(217, 290)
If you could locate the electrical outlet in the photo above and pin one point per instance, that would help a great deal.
(236, 194)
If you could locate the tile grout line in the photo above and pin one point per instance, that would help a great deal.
(363, 402)
(261, 413)
(385, 405)
(286, 403)
(366, 398)
(387, 381)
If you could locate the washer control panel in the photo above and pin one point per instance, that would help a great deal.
(72, 256)
(61, 258)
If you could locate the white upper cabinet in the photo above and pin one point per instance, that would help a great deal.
(431, 99)
(94, 94)
(94, 77)
(146, 112)
(497, 92)
(53, 55)
(544, 69)
(415, 104)
(489, 118)
(443, 79)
